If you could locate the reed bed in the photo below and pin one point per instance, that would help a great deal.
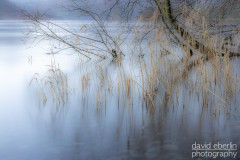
(156, 71)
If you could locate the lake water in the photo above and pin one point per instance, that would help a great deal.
(89, 122)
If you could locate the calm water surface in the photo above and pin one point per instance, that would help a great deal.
(95, 124)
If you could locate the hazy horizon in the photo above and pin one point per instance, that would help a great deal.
(10, 9)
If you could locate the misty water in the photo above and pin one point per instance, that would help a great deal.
(104, 122)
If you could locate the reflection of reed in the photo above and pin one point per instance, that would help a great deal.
(148, 103)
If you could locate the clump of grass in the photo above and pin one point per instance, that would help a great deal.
(53, 85)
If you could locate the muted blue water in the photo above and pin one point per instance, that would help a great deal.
(83, 129)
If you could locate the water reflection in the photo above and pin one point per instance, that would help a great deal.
(105, 113)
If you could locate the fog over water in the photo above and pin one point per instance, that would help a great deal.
(114, 126)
